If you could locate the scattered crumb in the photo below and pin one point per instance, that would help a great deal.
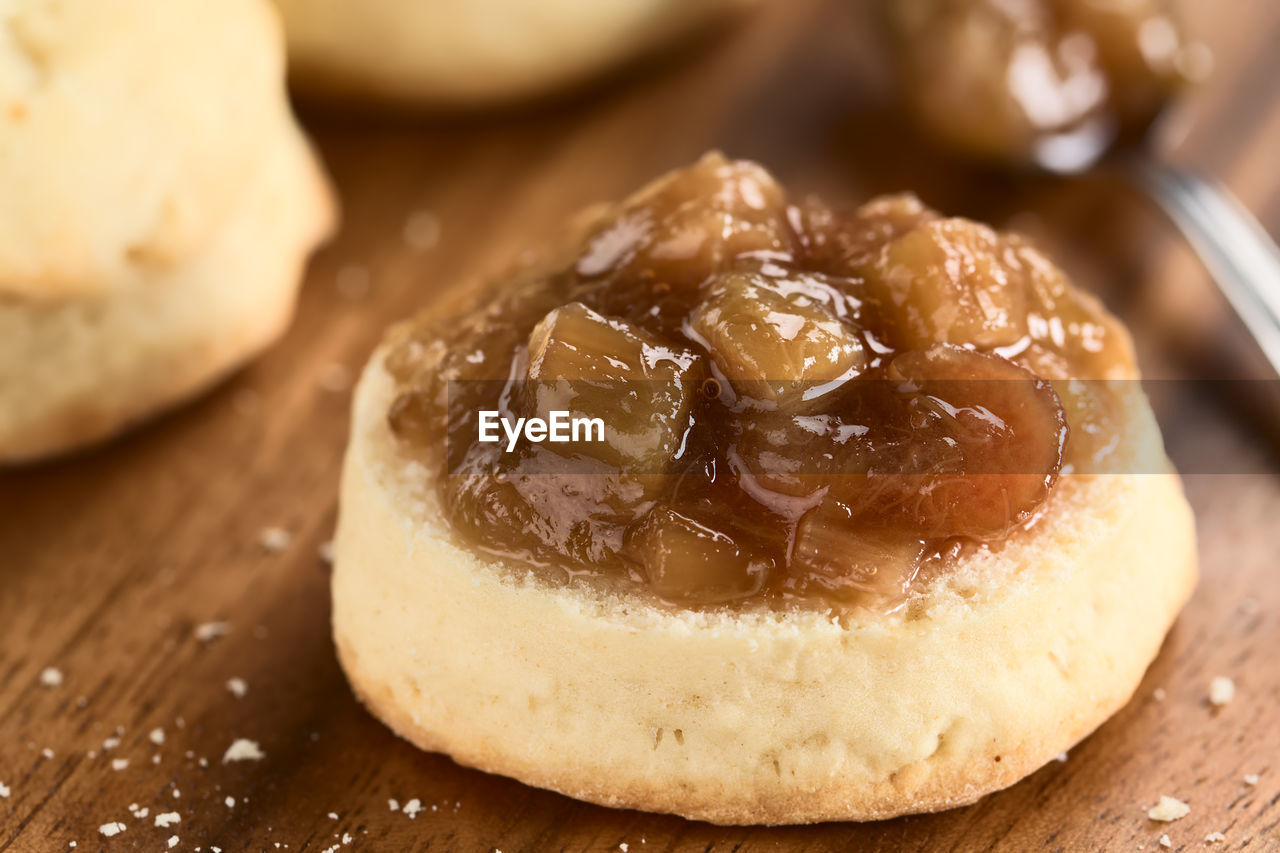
(335, 378)
(274, 539)
(47, 752)
(51, 676)
(110, 743)
(1214, 838)
(118, 764)
(113, 828)
(173, 841)
(243, 750)
(1061, 757)
(392, 804)
(4, 792)
(346, 838)
(1251, 779)
(203, 762)
(176, 793)
(353, 282)
(155, 759)
(333, 815)
(1158, 694)
(156, 736)
(623, 847)
(1164, 841)
(238, 687)
(326, 552)
(412, 807)
(421, 230)
(1168, 809)
(210, 631)
(1221, 691)
(168, 819)
(142, 813)
(231, 802)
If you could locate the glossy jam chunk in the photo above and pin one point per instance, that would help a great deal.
(801, 405)
(1055, 81)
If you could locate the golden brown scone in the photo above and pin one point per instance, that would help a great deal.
(464, 54)
(158, 224)
(754, 717)
(654, 640)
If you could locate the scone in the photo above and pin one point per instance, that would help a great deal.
(856, 514)
(466, 54)
(159, 204)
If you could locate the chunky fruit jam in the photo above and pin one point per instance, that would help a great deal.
(1056, 81)
(796, 403)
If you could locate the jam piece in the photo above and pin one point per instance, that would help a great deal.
(949, 280)
(780, 341)
(594, 367)
(688, 561)
(801, 405)
(841, 559)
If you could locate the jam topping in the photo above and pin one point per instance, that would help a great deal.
(793, 403)
(1051, 81)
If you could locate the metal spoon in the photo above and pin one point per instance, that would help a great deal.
(1238, 253)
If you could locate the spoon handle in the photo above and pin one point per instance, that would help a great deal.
(1235, 249)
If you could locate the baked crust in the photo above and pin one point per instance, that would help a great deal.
(76, 370)
(464, 54)
(757, 716)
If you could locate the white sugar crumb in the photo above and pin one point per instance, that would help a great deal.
(173, 841)
(412, 807)
(333, 815)
(156, 736)
(168, 819)
(51, 676)
(1164, 841)
(421, 230)
(346, 838)
(1251, 779)
(238, 687)
(325, 552)
(210, 631)
(243, 750)
(392, 804)
(623, 847)
(1169, 808)
(113, 828)
(4, 792)
(47, 752)
(176, 793)
(1061, 758)
(231, 802)
(274, 539)
(110, 743)
(1158, 694)
(1214, 838)
(353, 282)
(1221, 691)
(119, 763)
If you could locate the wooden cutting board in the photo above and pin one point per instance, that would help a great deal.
(110, 561)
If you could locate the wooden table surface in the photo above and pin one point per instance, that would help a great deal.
(109, 561)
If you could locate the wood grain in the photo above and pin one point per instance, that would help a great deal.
(109, 561)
